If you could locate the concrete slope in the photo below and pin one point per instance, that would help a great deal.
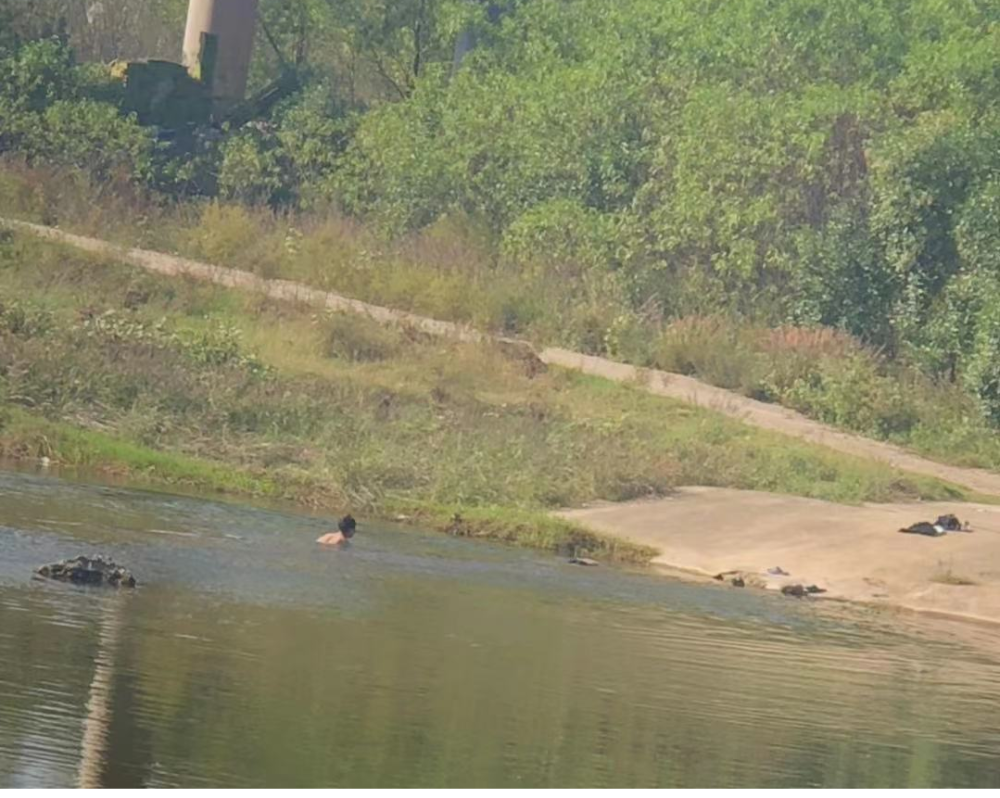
(855, 553)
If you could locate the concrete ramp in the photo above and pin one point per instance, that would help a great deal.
(856, 553)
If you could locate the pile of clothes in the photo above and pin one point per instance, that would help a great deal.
(943, 525)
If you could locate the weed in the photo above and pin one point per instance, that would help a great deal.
(362, 340)
(23, 320)
(946, 576)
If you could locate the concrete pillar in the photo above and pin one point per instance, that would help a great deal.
(218, 45)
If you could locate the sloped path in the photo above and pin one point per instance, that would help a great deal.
(660, 383)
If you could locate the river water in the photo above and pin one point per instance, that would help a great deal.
(249, 657)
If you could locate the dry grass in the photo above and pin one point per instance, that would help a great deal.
(946, 576)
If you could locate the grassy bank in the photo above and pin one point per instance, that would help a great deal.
(447, 272)
(26, 436)
(173, 381)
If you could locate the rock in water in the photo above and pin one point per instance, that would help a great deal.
(94, 570)
(583, 561)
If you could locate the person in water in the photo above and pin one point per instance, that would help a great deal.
(346, 528)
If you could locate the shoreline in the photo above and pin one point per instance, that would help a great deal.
(486, 524)
(706, 579)
(519, 527)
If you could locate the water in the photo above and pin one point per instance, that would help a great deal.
(248, 657)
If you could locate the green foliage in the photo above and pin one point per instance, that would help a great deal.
(842, 280)
(22, 22)
(712, 348)
(290, 160)
(850, 392)
(922, 177)
(562, 236)
(253, 170)
(634, 172)
(37, 75)
(978, 230)
(23, 320)
(49, 114)
(982, 374)
(217, 345)
(372, 50)
(313, 133)
(230, 233)
(94, 136)
(832, 377)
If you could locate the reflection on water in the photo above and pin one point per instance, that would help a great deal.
(247, 657)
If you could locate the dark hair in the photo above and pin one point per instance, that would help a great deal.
(347, 526)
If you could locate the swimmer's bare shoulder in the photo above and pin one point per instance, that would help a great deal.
(345, 532)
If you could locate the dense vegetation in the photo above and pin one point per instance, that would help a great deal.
(701, 186)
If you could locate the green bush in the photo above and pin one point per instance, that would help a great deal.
(233, 235)
(37, 75)
(791, 356)
(851, 393)
(982, 372)
(219, 345)
(92, 135)
(978, 230)
(254, 169)
(562, 236)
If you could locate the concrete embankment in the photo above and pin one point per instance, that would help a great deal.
(855, 553)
